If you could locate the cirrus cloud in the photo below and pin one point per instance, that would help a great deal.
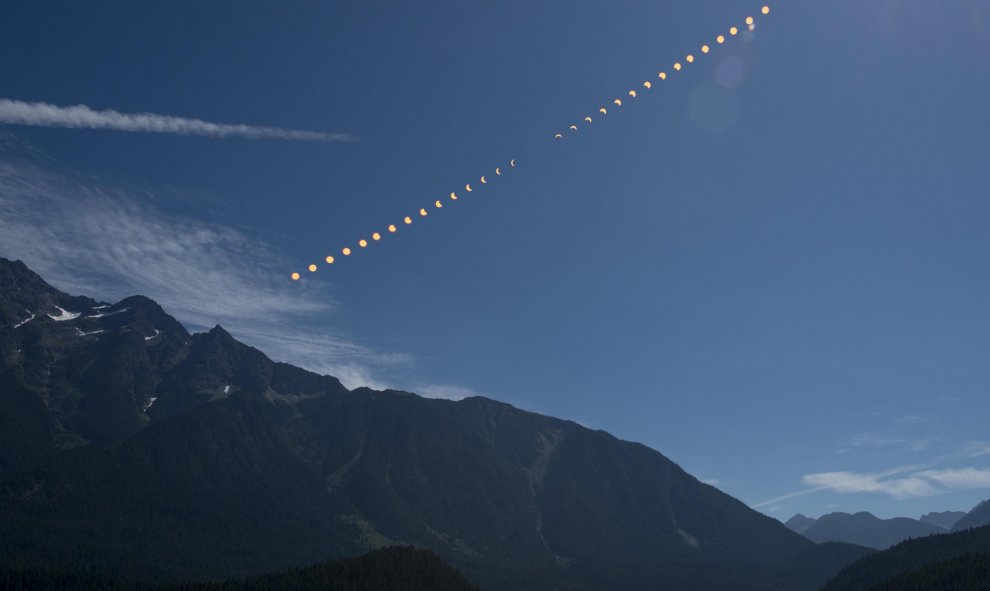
(80, 116)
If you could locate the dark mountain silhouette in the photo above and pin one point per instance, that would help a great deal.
(907, 557)
(970, 572)
(386, 569)
(863, 529)
(945, 519)
(132, 447)
(979, 516)
(800, 523)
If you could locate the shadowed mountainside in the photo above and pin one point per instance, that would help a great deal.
(978, 517)
(125, 440)
(907, 557)
(386, 569)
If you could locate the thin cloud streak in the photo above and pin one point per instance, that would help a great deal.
(822, 486)
(81, 116)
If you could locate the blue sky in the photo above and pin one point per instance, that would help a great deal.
(770, 267)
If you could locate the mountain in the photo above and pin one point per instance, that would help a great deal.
(907, 557)
(391, 569)
(969, 572)
(129, 446)
(979, 516)
(864, 529)
(945, 519)
(799, 523)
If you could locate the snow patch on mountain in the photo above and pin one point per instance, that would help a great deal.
(20, 324)
(65, 315)
(101, 314)
(86, 334)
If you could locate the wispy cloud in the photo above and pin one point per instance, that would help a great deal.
(874, 441)
(905, 487)
(80, 116)
(91, 237)
(914, 419)
(921, 480)
(828, 484)
(871, 441)
(918, 483)
(975, 449)
(959, 478)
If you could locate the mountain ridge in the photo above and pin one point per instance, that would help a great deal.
(862, 528)
(144, 439)
(946, 519)
(977, 517)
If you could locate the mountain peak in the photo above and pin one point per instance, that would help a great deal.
(204, 438)
(219, 331)
(800, 523)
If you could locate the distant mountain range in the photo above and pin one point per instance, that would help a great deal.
(799, 523)
(864, 529)
(944, 519)
(131, 447)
